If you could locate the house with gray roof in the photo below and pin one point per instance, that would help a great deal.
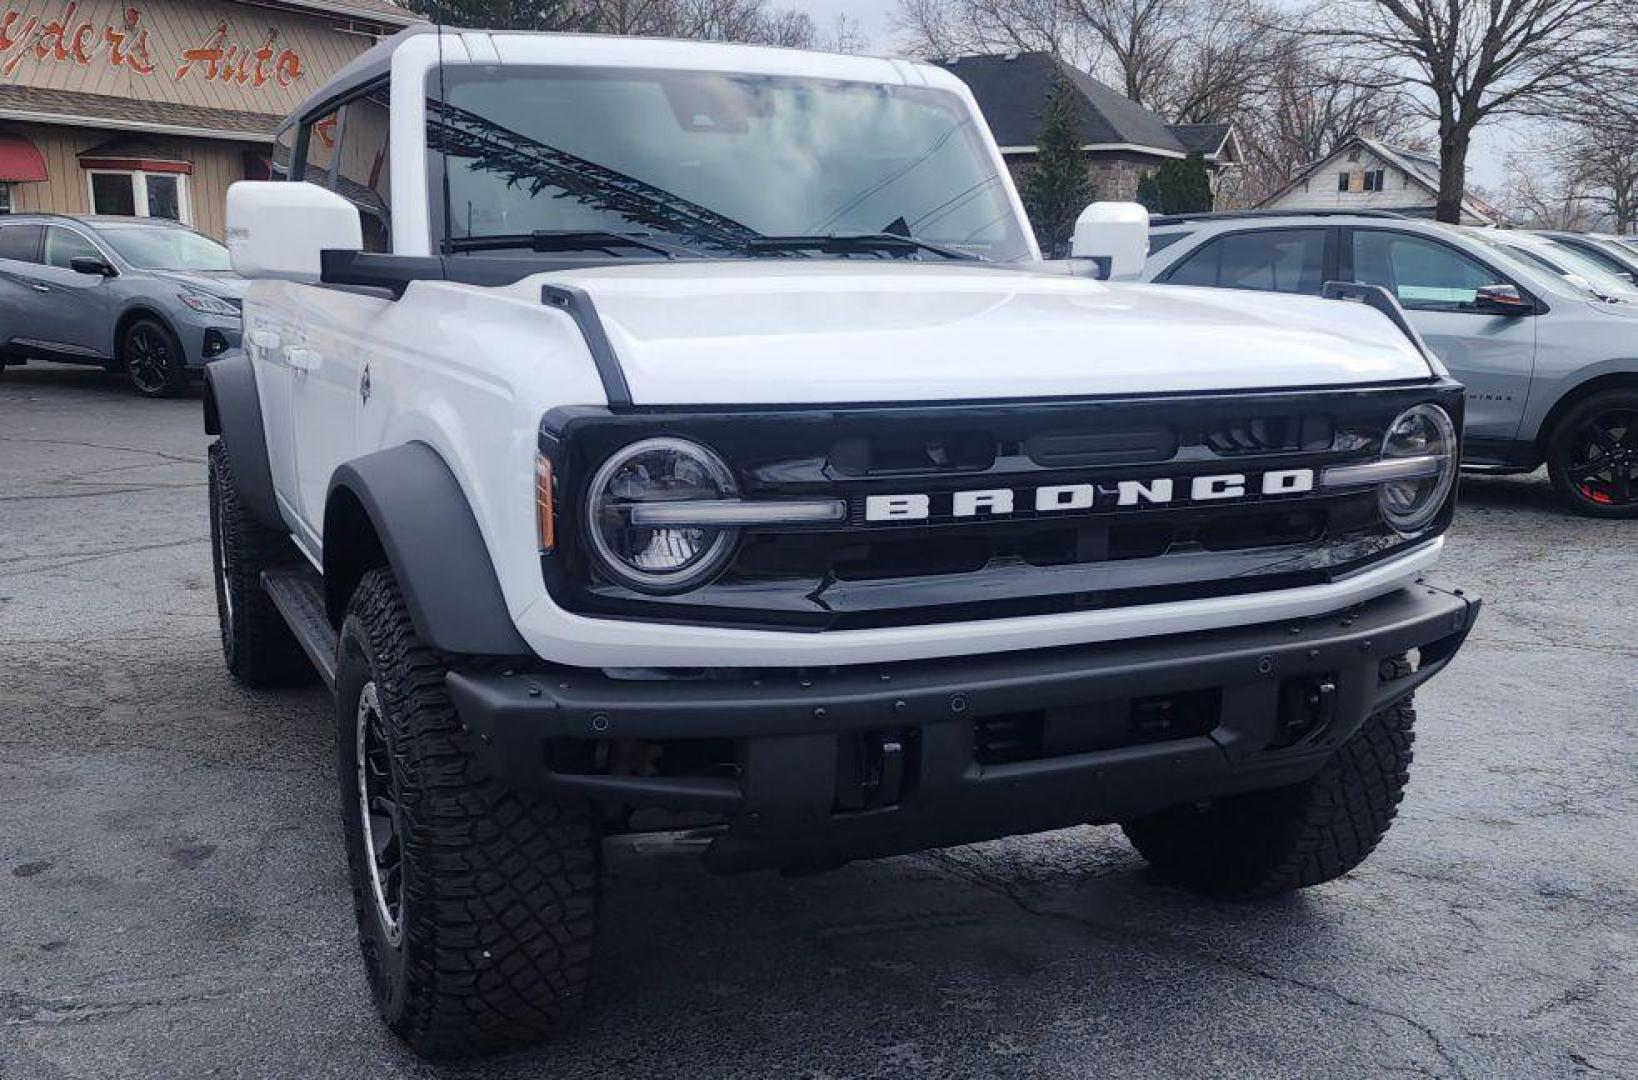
(1123, 140)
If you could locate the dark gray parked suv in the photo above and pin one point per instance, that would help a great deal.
(141, 295)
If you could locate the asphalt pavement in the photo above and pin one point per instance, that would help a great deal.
(173, 901)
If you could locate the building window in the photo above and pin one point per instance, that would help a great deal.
(5, 198)
(139, 193)
(1373, 180)
(1342, 181)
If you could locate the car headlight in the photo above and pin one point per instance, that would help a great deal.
(206, 304)
(1422, 434)
(663, 558)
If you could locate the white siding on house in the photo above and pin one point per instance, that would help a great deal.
(1319, 191)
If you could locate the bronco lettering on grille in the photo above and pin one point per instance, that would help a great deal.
(1057, 498)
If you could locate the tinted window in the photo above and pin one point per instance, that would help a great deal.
(1271, 260)
(1424, 274)
(284, 148)
(62, 246)
(323, 136)
(1162, 241)
(712, 158)
(20, 242)
(151, 247)
(364, 175)
(113, 193)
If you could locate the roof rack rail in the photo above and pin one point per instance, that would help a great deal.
(1231, 215)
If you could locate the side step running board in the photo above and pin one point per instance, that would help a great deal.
(298, 593)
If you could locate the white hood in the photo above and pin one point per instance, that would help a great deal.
(817, 331)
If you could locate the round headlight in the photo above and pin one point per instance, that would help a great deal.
(658, 558)
(1421, 431)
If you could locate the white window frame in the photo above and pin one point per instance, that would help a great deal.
(139, 187)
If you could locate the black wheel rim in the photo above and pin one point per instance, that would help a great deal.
(1601, 459)
(148, 357)
(378, 810)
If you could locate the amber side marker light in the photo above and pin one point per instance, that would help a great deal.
(545, 515)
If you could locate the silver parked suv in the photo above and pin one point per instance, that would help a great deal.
(1551, 368)
(141, 295)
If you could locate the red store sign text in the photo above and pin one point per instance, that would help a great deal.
(68, 39)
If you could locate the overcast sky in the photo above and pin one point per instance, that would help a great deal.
(1491, 143)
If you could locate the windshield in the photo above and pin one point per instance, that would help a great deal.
(714, 160)
(149, 247)
(1564, 262)
(1533, 264)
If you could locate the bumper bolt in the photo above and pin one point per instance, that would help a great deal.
(1365, 646)
(534, 691)
(1265, 664)
(899, 705)
(1313, 654)
(600, 722)
(958, 704)
(819, 713)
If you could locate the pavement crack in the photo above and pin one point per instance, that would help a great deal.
(188, 459)
(1125, 933)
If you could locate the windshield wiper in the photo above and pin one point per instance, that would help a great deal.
(564, 240)
(844, 243)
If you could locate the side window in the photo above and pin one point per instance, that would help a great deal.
(63, 246)
(1161, 241)
(20, 242)
(1424, 274)
(323, 137)
(364, 175)
(1270, 260)
(284, 148)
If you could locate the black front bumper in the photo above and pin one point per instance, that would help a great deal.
(876, 760)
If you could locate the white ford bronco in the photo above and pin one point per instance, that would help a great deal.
(640, 435)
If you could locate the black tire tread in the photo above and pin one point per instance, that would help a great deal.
(1269, 842)
(259, 648)
(501, 885)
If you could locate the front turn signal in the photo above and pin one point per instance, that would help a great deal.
(545, 513)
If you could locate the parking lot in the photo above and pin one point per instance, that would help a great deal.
(173, 899)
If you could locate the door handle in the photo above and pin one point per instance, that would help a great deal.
(302, 359)
(37, 287)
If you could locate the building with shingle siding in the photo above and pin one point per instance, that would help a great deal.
(1122, 140)
(153, 107)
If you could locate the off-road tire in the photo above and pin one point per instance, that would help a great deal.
(153, 359)
(497, 906)
(1565, 451)
(258, 647)
(1268, 842)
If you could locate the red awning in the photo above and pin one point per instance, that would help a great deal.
(20, 162)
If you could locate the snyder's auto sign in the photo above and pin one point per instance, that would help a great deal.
(66, 37)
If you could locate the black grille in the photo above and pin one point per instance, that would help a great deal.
(866, 573)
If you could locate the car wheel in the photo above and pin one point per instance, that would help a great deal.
(1593, 455)
(476, 902)
(153, 359)
(1268, 842)
(258, 647)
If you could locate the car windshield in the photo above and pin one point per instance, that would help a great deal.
(1563, 261)
(715, 161)
(1533, 265)
(151, 247)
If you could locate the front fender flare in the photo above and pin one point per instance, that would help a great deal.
(233, 411)
(434, 548)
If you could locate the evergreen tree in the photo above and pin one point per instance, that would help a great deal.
(1177, 187)
(1058, 188)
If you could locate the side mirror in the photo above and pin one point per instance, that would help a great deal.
(276, 229)
(91, 264)
(1114, 238)
(1501, 300)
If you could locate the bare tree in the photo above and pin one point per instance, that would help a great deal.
(1536, 194)
(939, 29)
(1601, 163)
(1477, 59)
(1304, 108)
(718, 20)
